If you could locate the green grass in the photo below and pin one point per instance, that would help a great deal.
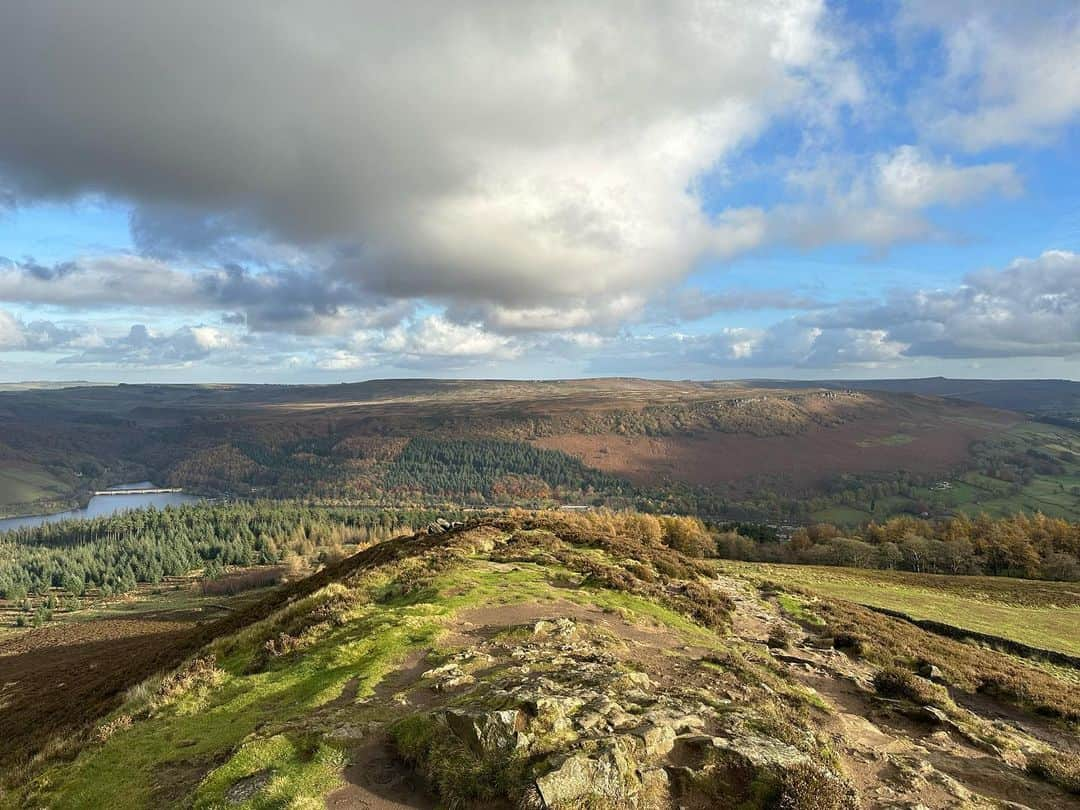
(25, 485)
(796, 608)
(842, 516)
(248, 722)
(1040, 623)
(974, 493)
(197, 731)
(300, 774)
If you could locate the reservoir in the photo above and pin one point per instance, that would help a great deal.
(104, 505)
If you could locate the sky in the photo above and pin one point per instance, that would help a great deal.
(326, 191)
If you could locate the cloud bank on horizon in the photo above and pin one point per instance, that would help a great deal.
(206, 191)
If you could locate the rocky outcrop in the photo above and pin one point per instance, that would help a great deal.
(583, 729)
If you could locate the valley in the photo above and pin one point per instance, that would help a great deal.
(717, 449)
(551, 595)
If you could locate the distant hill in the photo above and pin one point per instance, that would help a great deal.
(731, 448)
(1041, 397)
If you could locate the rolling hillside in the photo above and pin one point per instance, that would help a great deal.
(706, 447)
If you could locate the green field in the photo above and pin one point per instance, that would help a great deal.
(23, 485)
(973, 492)
(1041, 614)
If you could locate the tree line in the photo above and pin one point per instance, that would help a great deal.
(1028, 546)
(494, 471)
(113, 554)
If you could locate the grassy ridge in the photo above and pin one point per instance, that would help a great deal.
(237, 713)
(1040, 614)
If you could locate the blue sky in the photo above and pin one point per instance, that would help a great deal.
(711, 190)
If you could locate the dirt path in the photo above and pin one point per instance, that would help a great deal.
(895, 762)
(378, 781)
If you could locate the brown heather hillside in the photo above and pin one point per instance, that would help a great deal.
(811, 441)
(339, 441)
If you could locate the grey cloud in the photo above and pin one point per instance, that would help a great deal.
(142, 346)
(49, 273)
(46, 335)
(283, 299)
(480, 151)
(1029, 309)
(173, 232)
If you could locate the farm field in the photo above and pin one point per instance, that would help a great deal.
(22, 485)
(1040, 614)
(1056, 494)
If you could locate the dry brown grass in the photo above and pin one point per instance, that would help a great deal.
(1061, 768)
(901, 683)
(893, 642)
(634, 561)
(242, 581)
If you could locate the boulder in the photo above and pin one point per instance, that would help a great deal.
(742, 769)
(552, 712)
(576, 779)
(657, 740)
(448, 676)
(488, 733)
(931, 672)
(244, 789)
(561, 627)
(610, 774)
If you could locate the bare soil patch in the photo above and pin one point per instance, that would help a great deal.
(378, 780)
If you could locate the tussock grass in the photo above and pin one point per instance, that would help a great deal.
(461, 777)
(891, 642)
(1061, 768)
(298, 770)
(901, 683)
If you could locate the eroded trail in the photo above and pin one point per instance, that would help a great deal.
(894, 760)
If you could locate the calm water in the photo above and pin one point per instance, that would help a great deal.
(102, 505)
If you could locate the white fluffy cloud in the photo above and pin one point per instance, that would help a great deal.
(436, 341)
(1029, 309)
(444, 186)
(143, 346)
(1011, 72)
(883, 201)
(17, 335)
(11, 332)
(907, 179)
